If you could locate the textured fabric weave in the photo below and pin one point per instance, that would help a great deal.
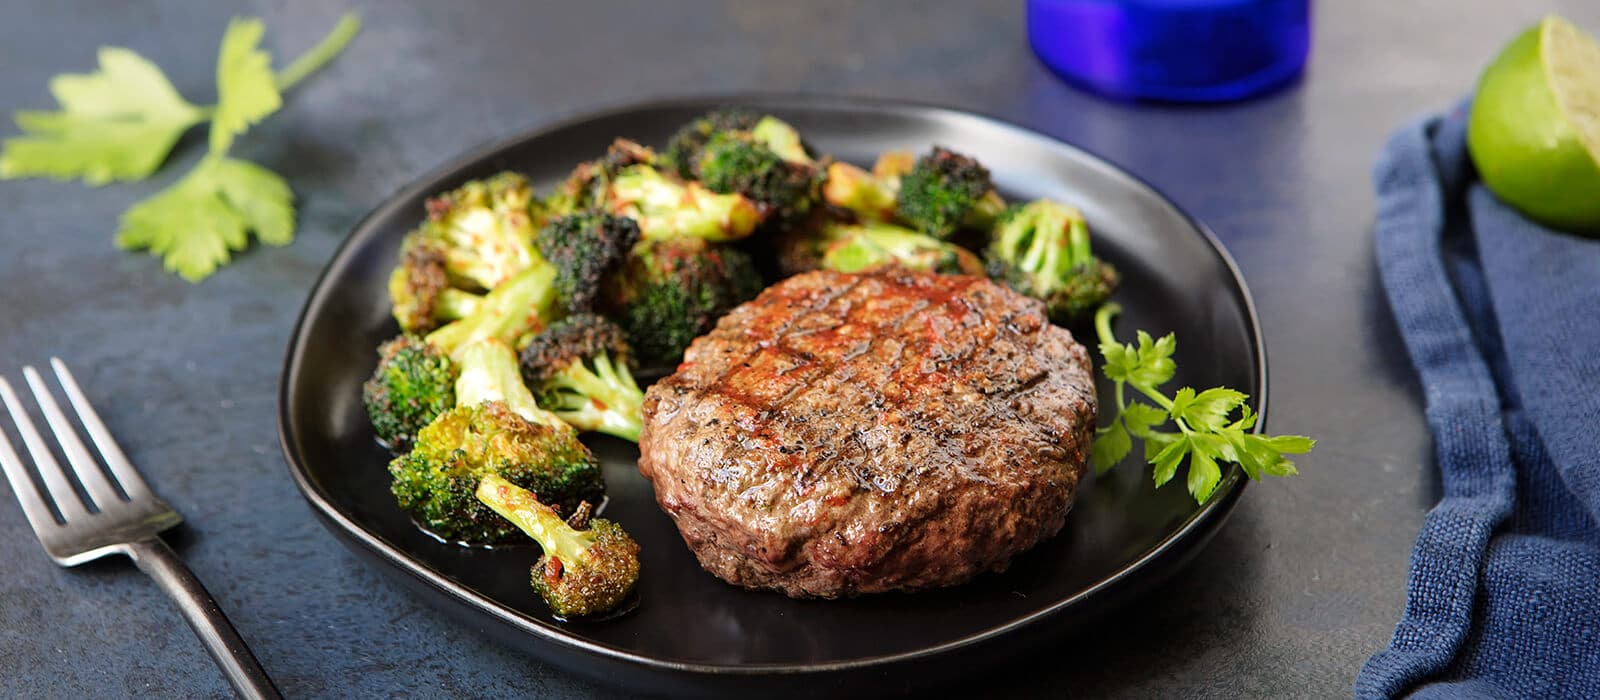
(1501, 318)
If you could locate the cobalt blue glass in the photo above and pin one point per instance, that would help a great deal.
(1173, 50)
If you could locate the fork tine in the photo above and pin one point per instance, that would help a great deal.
(132, 483)
(83, 465)
(33, 506)
(55, 480)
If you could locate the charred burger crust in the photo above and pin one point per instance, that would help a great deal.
(848, 434)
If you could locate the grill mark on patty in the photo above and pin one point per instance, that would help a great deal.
(846, 434)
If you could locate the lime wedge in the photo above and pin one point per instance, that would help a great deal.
(1535, 126)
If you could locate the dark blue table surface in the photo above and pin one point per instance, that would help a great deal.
(1304, 582)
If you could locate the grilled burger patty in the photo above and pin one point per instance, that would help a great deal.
(847, 434)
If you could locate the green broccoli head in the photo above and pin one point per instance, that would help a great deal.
(665, 208)
(411, 386)
(589, 185)
(578, 369)
(683, 149)
(672, 291)
(588, 565)
(947, 191)
(436, 481)
(483, 229)
(1041, 249)
(736, 162)
(869, 247)
(584, 247)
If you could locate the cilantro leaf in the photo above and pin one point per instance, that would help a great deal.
(1109, 448)
(197, 223)
(246, 91)
(117, 123)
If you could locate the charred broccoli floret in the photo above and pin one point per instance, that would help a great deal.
(1042, 250)
(588, 565)
(672, 291)
(946, 191)
(868, 247)
(763, 160)
(413, 384)
(683, 149)
(415, 377)
(475, 237)
(495, 428)
(589, 185)
(665, 209)
(578, 368)
(584, 247)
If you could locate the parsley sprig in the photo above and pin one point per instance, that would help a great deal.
(120, 122)
(1206, 431)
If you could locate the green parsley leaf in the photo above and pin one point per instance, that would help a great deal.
(1203, 475)
(246, 92)
(197, 223)
(1207, 434)
(1141, 417)
(1109, 448)
(1210, 409)
(1167, 460)
(117, 123)
(1155, 361)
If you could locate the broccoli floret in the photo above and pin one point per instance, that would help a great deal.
(412, 382)
(435, 481)
(946, 191)
(868, 247)
(589, 185)
(588, 565)
(739, 164)
(683, 149)
(524, 304)
(664, 208)
(494, 428)
(868, 197)
(475, 237)
(672, 291)
(578, 368)
(762, 159)
(484, 229)
(1042, 250)
(584, 247)
(412, 385)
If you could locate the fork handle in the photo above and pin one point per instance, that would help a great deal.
(227, 648)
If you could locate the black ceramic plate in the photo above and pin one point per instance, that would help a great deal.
(691, 632)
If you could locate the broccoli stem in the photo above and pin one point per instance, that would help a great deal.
(781, 139)
(454, 304)
(523, 303)
(605, 399)
(489, 372)
(666, 209)
(558, 539)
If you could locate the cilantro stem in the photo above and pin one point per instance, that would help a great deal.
(319, 55)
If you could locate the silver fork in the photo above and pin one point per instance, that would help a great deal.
(117, 525)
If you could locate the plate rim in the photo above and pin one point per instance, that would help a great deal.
(1210, 515)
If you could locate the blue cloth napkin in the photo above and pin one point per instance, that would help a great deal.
(1502, 321)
